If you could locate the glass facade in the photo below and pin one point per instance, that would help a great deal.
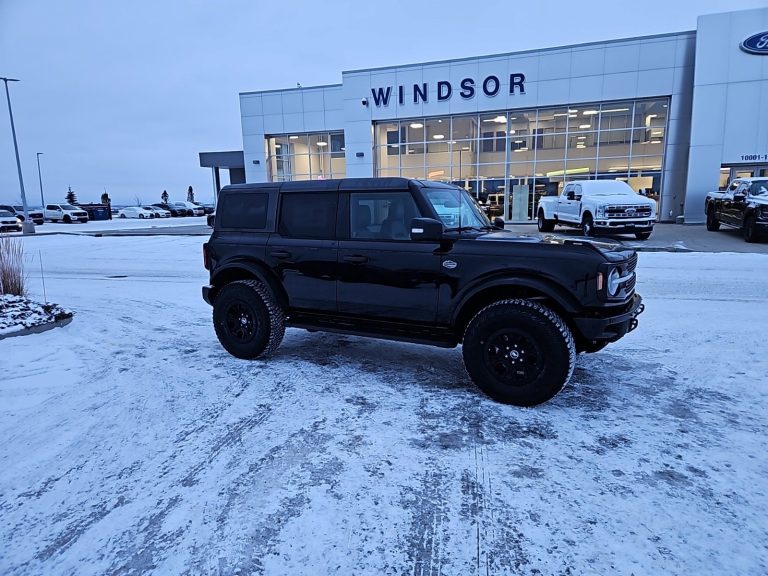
(530, 153)
(315, 156)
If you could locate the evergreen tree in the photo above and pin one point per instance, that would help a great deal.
(190, 195)
(164, 197)
(71, 196)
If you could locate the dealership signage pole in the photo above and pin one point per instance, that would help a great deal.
(40, 179)
(27, 227)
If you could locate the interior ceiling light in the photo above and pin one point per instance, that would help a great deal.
(518, 141)
(417, 125)
(655, 142)
(321, 143)
(511, 131)
(616, 110)
(589, 112)
(524, 149)
(581, 138)
(438, 136)
(465, 148)
(570, 111)
(292, 137)
(656, 133)
(513, 117)
(278, 145)
(584, 126)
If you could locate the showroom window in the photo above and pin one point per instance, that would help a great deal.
(311, 156)
(525, 154)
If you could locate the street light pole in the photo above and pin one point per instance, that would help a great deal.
(27, 227)
(40, 179)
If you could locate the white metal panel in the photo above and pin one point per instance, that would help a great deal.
(554, 65)
(622, 58)
(620, 86)
(587, 62)
(657, 54)
(250, 105)
(586, 89)
(657, 82)
(272, 103)
(273, 124)
(314, 121)
(709, 103)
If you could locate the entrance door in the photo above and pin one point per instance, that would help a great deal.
(748, 171)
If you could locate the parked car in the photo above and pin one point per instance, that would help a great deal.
(35, 214)
(158, 212)
(135, 212)
(176, 211)
(65, 213)
(744, 205)
(207, 208)
(9, 222)
(609, 206)
(192, 209)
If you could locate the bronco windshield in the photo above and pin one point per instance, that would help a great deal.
(456, 208)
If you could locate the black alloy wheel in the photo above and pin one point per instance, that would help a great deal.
(518, 352)
(713, 224)
(750, 230)
(247, 320)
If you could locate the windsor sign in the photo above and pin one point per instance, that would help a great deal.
(467, 89)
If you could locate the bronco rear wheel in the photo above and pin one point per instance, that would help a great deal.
(519, 352)
(248, 321)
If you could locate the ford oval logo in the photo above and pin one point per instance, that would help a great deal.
(757, 44)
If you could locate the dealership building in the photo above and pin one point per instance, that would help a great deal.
(673, 115)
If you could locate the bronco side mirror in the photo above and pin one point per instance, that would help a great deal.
(426, 229)
(498, 222)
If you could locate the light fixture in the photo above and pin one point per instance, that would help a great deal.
(518, 141)
(523, 149)
(465, 148)
(513, 117)
(569, 171)
(571, 111)
(498, 119)
(278, 145)
(410, 151)
(511, 131)
(321, 143)
(616, 110)
(655, 142)
(584, 126)
(581, 138)
(417, 125)
(292, 137)
(438, 136)
(589, 112)
(656, 133)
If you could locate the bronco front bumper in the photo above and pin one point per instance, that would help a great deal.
(611, 328)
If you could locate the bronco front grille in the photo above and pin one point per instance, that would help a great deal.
(629, 284)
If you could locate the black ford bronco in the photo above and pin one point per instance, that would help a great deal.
(416, 261)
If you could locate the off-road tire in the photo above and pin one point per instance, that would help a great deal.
(587, 226)
(642, 235)
(519, 352)
(544, 224)
(713, 224)
(67, 219)
(750, 230)
(247, 319)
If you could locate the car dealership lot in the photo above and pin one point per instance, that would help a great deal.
(135, 443)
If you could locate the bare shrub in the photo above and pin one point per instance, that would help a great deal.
(12, 279)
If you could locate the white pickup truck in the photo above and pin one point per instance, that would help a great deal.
(609, 206)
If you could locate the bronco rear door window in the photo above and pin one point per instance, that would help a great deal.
(311, 215)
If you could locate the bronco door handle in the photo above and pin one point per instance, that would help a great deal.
(356, 259)
(280, 254)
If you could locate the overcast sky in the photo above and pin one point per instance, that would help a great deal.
(123, 95)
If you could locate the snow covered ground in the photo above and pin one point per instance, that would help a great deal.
(133, 443)
(116, 224)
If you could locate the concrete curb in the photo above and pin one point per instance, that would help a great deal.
(39, 328)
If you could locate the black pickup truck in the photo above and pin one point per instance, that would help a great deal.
(415, 261)
(744, 205)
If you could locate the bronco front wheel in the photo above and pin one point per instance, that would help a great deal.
(519, 352)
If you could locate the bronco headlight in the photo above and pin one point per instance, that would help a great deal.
(614, 280)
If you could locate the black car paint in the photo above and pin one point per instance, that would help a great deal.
(406, 289)
(735, 209)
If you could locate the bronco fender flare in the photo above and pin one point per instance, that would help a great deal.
(240, 268)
